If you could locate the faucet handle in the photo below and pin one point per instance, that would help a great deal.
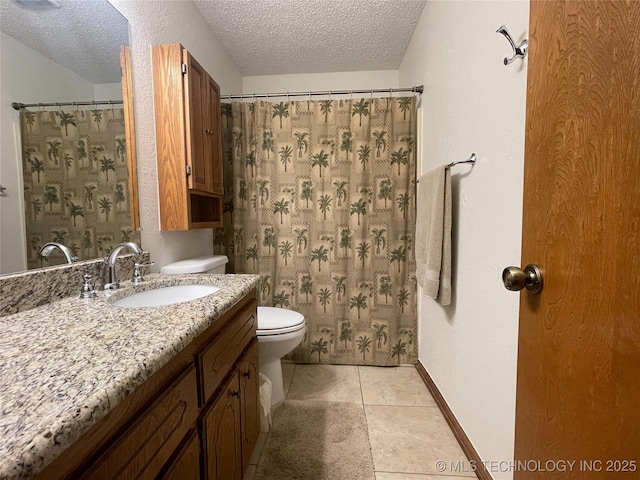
(137, 274)
(88, 291)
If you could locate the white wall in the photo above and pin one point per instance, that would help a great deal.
(27, 77)
(108, 91)
(473, 103)
(321, 81)
(153, 23)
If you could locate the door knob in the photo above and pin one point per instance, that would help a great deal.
(515, 278)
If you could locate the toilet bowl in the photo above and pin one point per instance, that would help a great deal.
(279, 330)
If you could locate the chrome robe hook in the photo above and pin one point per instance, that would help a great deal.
(518, 51)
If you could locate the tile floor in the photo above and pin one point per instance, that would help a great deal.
(408, 434)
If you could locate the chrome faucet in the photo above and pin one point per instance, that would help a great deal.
(110, 277)
(49, 247)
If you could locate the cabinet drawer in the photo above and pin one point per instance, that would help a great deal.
(145, 447)
(186, 465)
(218, 358)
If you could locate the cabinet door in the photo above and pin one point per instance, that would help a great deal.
(215, 137)
(222, 431)
(171, 145)
(197, 125)
(250, 402)
(186, 465)
(143, 450)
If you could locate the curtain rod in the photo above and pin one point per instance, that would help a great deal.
(419, 89)
(20, 106)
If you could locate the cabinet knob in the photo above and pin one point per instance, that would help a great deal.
(236, 394)
(247, 374)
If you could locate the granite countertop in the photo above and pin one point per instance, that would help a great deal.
(65, 365)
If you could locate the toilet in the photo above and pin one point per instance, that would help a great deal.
(279, 330)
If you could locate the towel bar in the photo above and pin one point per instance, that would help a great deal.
(472, 159)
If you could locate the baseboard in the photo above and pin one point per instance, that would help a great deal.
(458, 432)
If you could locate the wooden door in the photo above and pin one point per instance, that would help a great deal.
(215, 140)
(578, 384)
(222, 435)
(197, 136)
(250, 402)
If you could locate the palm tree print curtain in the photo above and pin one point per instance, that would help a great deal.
(320, 202)
(75, 182)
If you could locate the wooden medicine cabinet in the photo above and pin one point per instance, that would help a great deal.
(188, 141)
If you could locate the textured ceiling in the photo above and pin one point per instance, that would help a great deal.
(262, 37)
(83, 35)
(271, 37)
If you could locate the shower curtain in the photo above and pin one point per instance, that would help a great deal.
(75, 182)
(320, 201)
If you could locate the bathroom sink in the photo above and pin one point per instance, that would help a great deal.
(166, 296)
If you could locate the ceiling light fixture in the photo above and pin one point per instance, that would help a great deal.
(37, 4)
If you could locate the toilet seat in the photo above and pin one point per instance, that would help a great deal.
(278, 321)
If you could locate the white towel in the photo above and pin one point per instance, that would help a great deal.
(433, 235)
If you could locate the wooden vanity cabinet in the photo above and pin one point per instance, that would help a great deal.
(188, 140)
(197, 416)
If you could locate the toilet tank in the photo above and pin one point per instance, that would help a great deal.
(202, 264)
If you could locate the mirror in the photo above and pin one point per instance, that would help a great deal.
(64, 51)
